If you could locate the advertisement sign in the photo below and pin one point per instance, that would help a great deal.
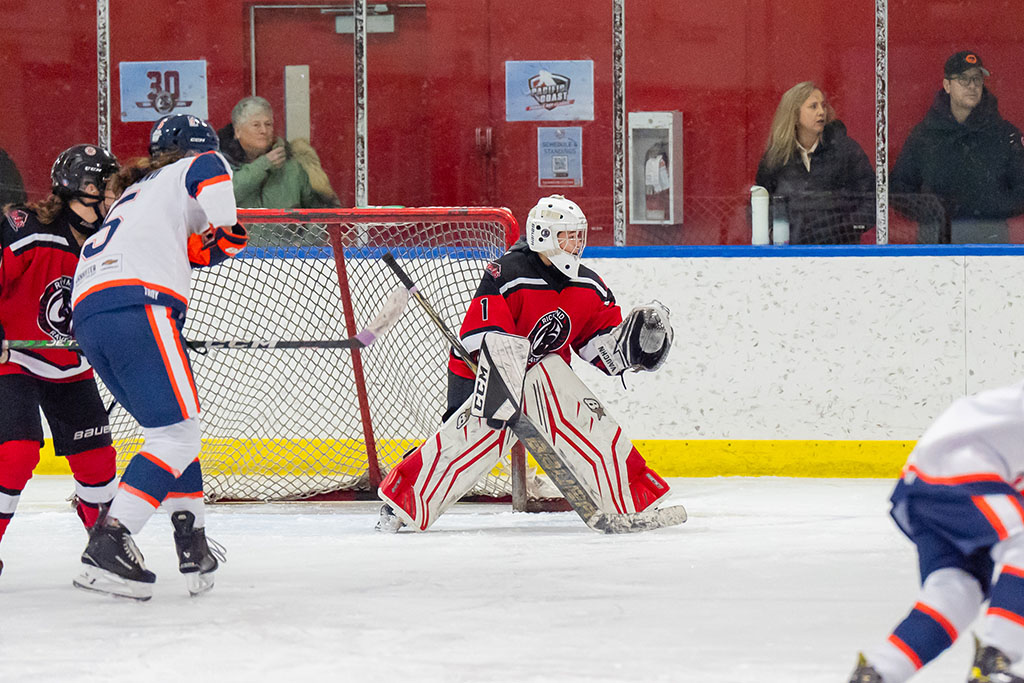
(560, 157)
(151, 90)
(549, 91)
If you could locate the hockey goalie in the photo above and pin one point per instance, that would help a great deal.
(535, 305)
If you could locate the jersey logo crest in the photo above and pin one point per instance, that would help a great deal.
(55, 309)
(494, 269)
(17, 219)
(549, 334)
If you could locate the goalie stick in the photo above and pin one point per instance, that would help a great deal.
(524, 428)
(378, 327)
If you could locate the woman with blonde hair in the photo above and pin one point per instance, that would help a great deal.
(817, 175)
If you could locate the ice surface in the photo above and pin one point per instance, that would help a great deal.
(770, 581)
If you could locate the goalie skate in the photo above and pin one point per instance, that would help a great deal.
(114, 565)
(198, 556)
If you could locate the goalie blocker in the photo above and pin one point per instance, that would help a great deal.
(611, 480)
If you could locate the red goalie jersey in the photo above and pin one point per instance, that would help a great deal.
(521, 295)
(37, 264)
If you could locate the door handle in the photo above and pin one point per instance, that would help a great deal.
(484, 140)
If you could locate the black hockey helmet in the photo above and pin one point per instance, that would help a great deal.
(182, 132)
(79, 165)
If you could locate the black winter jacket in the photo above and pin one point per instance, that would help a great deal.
(960, 181)
(834, 202)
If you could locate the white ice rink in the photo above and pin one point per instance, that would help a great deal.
(770, 581)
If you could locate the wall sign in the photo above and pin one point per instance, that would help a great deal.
(151, 90)
(549, 91)
(560, 157)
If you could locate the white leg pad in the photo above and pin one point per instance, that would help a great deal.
(437, 474)
(589, 440)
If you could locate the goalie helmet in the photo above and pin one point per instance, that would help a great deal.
(77, 166)
(182, 132)
(548, 229)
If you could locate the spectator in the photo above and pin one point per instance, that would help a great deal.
(815, 172)
(964, 156)
(268, 172)
(12, 190)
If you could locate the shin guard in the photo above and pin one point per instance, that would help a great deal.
(17, 460)
(434, 476)
(95, 475)
(589, 441)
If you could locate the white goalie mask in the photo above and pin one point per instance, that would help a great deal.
(557, 229)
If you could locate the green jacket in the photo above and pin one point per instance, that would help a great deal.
(258, 184)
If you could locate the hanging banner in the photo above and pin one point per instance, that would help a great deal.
(151, 90)
(549, 91)
(560, 157)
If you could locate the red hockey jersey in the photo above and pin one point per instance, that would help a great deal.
(37, 265)
(520, 295)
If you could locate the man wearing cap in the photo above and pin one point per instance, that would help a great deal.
(961, 171)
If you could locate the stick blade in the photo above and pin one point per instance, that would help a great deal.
(393, 309)
(631, 523)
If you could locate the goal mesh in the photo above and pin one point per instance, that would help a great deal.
(287, 424)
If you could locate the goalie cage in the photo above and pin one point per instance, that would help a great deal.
(330, 424)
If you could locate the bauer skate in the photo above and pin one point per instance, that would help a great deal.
(388, 522)
(991, 666)
(198, 556)
(865, 673)
(113, 564)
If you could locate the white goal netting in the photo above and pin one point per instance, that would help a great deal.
(286, 424)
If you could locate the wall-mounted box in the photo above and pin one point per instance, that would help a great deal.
(656, 167)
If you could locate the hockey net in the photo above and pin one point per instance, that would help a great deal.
(290, 424)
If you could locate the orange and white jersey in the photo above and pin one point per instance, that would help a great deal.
(978, 439)
(141, 254)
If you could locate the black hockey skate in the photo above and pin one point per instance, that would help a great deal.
(991, 666)
(865, 673)
(198, 556)
(113, 563)
(388, 522)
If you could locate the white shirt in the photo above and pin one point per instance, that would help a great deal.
(805, 154)
(140, 255)
(976, 437)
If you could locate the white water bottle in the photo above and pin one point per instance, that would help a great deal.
(758, 215)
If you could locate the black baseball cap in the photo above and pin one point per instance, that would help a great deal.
(962, 61)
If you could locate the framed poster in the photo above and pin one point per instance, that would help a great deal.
(549, 91)
(560, 157)
(151, 90)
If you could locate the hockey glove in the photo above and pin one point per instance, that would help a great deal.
(5, 355)
(640, 342)
(216, 245)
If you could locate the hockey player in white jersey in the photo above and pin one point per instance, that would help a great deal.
(959, 501)
(130, 298)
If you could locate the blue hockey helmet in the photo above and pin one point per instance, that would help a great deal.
(182, 132)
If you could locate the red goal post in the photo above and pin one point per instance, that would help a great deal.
(303, 423)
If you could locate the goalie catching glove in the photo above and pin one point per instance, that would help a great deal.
(640, 342)
(216, 245)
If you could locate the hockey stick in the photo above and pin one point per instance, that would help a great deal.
(378, 327)
(523, 427)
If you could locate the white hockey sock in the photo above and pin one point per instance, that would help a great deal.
(948, 602)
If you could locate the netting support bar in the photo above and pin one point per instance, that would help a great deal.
(372, 466)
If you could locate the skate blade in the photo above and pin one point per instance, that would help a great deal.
(198, 583)
(98, 580)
